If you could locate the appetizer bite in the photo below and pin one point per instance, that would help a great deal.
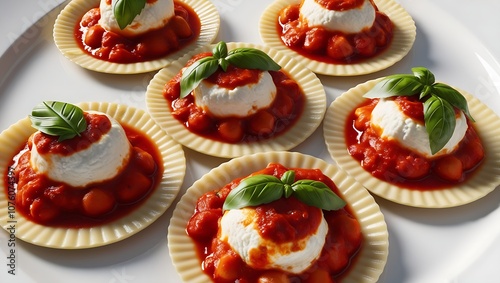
(134, 34)
(86, 170)
(239, 98)
(357, 36)
(337, 32)
(278, 223)
(414, 134)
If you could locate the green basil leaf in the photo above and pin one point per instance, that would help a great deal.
(198, 71)
(220, 50)
(288, 177)
(426, 90)
(253, 191)
(424, 75)
(251, 58)
(125, 11)
(223, 63)
(248, 58)
(59, 119)
(395, 85)
(438, 109)
(439, 117)
(288, 190)
(451, 95)
(318, 194)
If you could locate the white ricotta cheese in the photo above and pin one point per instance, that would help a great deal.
(239, 229)
(411, 134)
(348, 21)
(103, 160)
(154, 15)
(241, 101)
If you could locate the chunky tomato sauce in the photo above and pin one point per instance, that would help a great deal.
(281, 222)
(334, 47)
(266, 123)
(181, 30)
(390, 162)
(412, 107)
(97, 126)
(56, 204)
(234, 77)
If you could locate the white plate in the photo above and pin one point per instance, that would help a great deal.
(452, 245)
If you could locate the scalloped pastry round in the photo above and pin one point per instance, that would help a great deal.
(65, 40)
(373, 255)
(174, 164)
(484, 181)
(310, 119)
(402, 42)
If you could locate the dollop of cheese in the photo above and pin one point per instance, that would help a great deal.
(411, 134)
(239, 229)
(241, 101)
(101, 161)
(154, 15)
(348, 21)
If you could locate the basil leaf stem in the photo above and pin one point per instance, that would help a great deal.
(288, 190)
(59, 119)
(247, 58)
(261, 189)
(125, 11)
(438, 98)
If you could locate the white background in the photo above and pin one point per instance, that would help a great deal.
(459, 40)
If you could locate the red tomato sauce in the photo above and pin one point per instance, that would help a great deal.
(390, 162)
(340, 5)
(234, 77)
(412, 107)
(343, 241)
(56, 204)
(333, 47)
(182, 29)
(284, 220)
(97, 126)
(265, 124)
